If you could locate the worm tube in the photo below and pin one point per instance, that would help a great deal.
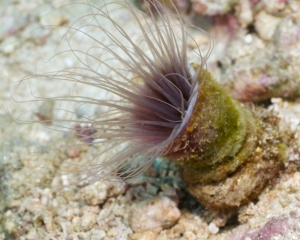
(226, 151)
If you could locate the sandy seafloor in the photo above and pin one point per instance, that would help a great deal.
(33, 201)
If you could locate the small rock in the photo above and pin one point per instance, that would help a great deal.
(273, 6)
(112, 233)
(212, 8)
(158, 212)
(45, 112)
(32, 205)
(188, 235)
(197, 41)
(212, 228)
(94, 194)
(10, 226)
(55, 20)
(266, 25)
(98, 234)
(149, 235)
(8, 45)
(72, 152)
(245, 14)
(88, 220)
(48, 221)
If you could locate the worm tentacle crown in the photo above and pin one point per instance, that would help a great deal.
(149, 88)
